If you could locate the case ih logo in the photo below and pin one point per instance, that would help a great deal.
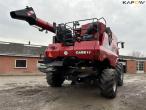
(83, 52)
(136, 2)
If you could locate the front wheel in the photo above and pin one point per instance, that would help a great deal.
(108, 83)
(55, 78)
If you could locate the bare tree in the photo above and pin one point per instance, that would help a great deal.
(137, 54)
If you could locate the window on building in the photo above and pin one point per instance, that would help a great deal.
(20, 63)
(140, 66)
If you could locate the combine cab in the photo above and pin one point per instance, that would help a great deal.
(83, 50)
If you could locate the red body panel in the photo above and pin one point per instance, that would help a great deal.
(107, 51)
(88, 50)
(82, 50)
(85, 49)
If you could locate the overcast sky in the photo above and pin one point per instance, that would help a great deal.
(128, 22)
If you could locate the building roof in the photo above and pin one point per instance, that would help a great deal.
(123, 57)
(18, 49)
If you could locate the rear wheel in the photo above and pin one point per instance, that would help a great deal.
(55, 78)
(120, 74)
(108, 83)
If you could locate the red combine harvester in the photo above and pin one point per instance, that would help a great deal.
(80, 53)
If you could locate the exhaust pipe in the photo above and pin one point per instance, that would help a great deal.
(26, 14)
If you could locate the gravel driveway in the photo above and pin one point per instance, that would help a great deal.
(33, 93)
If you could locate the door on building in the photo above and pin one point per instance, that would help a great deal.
(140, 66)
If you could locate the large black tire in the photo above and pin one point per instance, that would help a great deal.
(108, 83)
(55, 78)
(120, 74)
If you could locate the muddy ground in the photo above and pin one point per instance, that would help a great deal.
(33, 93)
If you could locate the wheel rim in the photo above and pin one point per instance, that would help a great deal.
(121, 76)
(114, 86)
